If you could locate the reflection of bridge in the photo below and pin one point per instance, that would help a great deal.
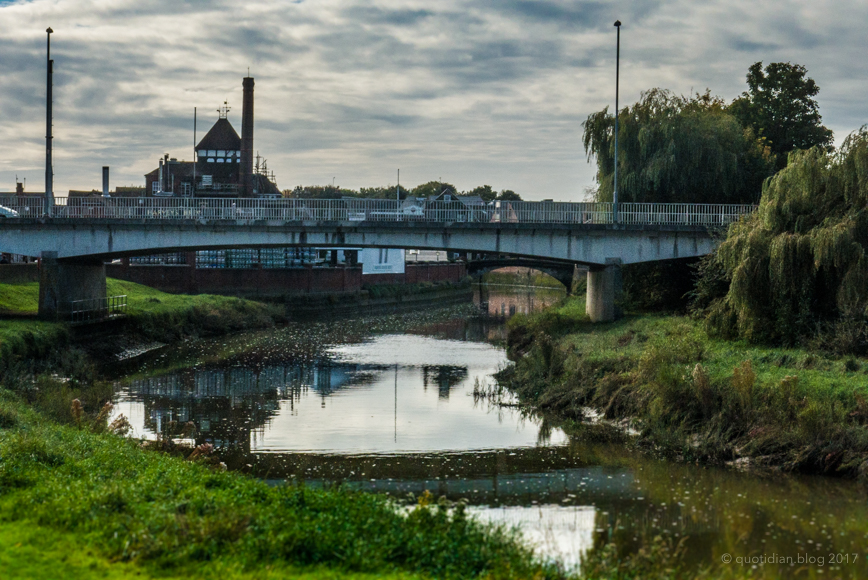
(75, 240)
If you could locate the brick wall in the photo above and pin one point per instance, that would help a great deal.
(19, 273)
(252, 282)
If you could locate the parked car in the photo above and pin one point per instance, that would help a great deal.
(6, 212)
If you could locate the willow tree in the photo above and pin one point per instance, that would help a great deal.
(798, 265)
(677, 149)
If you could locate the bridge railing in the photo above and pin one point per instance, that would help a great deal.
(380, 210)
(96, 309)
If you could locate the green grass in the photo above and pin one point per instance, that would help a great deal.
(30, 552)
(696, 397)
(100, 499)
(19, 299)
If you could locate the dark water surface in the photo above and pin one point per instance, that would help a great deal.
(402, 404)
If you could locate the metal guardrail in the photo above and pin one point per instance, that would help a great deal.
(97, 309)
(380, 210)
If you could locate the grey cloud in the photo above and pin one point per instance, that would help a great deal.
(478, 88)
(376, 15)
(742, 44)
(572, 14)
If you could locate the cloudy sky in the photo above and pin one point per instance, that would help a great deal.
(470, 91)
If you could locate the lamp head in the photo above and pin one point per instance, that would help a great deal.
(618, 23)
(48, 30)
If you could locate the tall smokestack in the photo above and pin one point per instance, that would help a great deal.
(105, 181)
(247, 137)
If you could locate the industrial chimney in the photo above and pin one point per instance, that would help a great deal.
(247, 138)
(105, 181)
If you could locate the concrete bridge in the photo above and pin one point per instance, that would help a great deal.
(76, 240)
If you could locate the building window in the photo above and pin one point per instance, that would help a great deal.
(221, 160)
(221, 154)
(212, 153)
(155, 186)
(186, 188)
(203, 153)
(210, 160)
(238, 153)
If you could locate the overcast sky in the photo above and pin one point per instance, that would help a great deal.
(473, 92)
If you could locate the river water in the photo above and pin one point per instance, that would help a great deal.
(401, 404)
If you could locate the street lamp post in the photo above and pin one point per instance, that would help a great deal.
(49, 170)
(617, 77)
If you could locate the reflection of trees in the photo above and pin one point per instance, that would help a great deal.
(446, 377)
(225, 406)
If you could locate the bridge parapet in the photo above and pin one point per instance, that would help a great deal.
(381, 210)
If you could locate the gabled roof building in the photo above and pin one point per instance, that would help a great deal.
(223, 165)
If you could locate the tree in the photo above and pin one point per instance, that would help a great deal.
(799, 265)
(483, 191)
(387, 192)
(321, 192)
(433, 188)
(779, 106)
(508, 195)
(677, 149)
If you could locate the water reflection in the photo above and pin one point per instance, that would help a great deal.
(499, 301)
(386, 405)
(387, 394)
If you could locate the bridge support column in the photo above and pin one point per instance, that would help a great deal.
(62, 282)
(604, 289)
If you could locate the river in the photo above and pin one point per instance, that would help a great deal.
(400, 404)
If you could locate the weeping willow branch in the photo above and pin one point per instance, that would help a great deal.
(798, 265)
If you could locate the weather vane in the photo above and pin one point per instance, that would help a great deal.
(224, 110)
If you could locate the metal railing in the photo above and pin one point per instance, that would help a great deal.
(380, 210)
(97, 309)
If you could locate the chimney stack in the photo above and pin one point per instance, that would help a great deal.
(247, 137)
(105, 181)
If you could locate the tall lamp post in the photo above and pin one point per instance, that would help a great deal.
(617, 77)
(49, 170)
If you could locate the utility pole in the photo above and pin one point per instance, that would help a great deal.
(49, 169)
(617, 77)
(193, 189)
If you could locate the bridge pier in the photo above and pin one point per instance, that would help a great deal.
(62, 282)
(604, 289)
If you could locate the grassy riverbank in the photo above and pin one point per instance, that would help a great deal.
(78, 500)
(151, 316)
(693, 397)
(112, 508)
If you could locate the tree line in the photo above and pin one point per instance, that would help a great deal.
(701, 149)
(794, 272)
(425, 190)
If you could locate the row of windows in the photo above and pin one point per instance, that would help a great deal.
(218, 153)
(220, 160)
(186, 187)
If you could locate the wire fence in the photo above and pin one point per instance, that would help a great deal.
(378, 210)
